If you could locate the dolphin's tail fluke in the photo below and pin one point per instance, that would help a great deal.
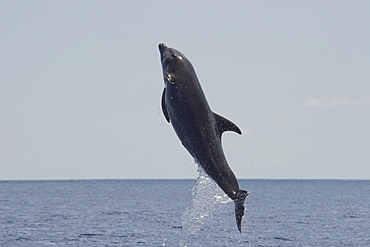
(239, 207)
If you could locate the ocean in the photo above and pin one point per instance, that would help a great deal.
(183, 213)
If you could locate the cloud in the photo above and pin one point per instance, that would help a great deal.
(319, 102)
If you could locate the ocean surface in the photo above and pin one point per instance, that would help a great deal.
(183, 213)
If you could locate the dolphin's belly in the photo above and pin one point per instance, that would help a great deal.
(195, 126)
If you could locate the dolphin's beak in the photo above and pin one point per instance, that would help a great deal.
(162, 48)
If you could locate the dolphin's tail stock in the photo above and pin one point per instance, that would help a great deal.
(239, 207)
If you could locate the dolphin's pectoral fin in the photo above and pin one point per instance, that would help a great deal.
(224, 124)
(239, 207)
(164, 107)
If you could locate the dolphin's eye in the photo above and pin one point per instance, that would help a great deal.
(178, 56)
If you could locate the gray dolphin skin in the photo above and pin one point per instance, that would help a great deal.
(185, 106)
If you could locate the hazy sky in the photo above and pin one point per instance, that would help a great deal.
(81, 83)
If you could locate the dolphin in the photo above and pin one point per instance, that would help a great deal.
(199, 129)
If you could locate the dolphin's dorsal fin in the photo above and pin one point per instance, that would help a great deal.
(224, 124)
(164, 107)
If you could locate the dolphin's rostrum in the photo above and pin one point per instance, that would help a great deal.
(199, 129)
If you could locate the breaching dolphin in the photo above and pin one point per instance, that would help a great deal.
(199, 129)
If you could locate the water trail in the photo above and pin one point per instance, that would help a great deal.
(208, 199)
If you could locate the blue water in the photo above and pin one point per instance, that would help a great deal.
(183, 213)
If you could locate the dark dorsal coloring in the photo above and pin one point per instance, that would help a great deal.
(199, 129)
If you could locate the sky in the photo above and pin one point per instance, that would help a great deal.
(81, 83)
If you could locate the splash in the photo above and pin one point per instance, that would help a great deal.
(207, 203)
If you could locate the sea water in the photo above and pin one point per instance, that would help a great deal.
(183, 213)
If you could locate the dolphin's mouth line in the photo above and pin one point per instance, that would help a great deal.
(168, 78)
